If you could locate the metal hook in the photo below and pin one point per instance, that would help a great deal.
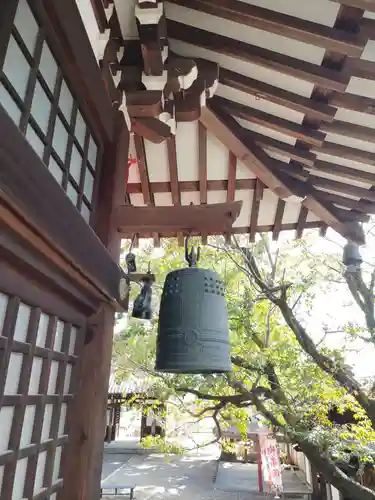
(193, 256)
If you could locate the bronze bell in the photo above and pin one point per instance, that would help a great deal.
(193, 332)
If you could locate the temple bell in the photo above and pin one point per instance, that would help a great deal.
(193, 331)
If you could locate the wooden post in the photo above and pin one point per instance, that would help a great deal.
(83, 460)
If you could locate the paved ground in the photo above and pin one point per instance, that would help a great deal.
(189, 477)
(162, 478)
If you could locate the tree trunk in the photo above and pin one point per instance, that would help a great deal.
(333, 475)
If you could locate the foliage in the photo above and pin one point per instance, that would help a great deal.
(289, 376)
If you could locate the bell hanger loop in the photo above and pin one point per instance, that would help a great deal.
(193, 256)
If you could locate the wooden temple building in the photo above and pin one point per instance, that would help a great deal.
(153, 119)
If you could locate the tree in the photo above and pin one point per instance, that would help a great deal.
(291, 377)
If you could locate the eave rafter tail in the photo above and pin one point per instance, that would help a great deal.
(183, 84)
(226, 129)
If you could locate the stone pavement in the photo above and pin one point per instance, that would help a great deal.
(160, 477)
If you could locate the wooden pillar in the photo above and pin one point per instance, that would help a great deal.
(83, 461)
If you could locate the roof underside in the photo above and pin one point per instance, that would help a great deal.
(296, 83)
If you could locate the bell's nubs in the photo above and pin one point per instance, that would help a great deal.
(193, 333)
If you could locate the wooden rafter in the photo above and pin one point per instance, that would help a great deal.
(228, 131)
(281, 24)
(342, 201)
(303, 70)
(353, 102)
(299, 154)
(303, 133)
(349, 130)
(342, 187)
(349, 153)
(341, 171)
(318, 110)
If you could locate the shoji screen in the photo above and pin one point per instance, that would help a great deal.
(38, 98)
(38, 352)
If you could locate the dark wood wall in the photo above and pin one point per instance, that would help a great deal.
(60, 170)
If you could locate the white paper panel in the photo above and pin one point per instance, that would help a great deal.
(267, 208)
(38, 485)
(88, 187)
(59, 336)
(16, 68)
(163, 199)
(56, 464)
(68, 375)
(34, 141)
(72, 193)
(3, 309)
(46, 429)
(246, 196)
(92, 152)
(27, 427)
(9, 105)
(60, 139)
(62, 419)
(6, 419)
(36, 372)
(41, 108)
(53, 377)
(26, 25)
(73, 339)
(85, 212)
(80, 129)
(188, 197)
(56, 171)
(42, 330)
(13, 374)
(157, 161)
(48, 67)
(75, 164)
(66, 101)
(19, 479)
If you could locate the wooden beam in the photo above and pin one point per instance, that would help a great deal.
(333, 149)
(202, 161)
(353, 102)
(302, 218)
(359, 205)
(299, 154)
(173, 171)
(232, 170)
(351, 230)
(144, 103)
(255, 205)
(341, 171)
(191, 186)
(151, 129)
(342, 187)
(349, 130)
(303, 70)
(315, 109)
(200, 218)
(278, 219)
(143, 170)
(229, 133)
(300, 132)
(252, 16)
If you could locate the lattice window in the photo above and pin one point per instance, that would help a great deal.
(37, 97)
(37, 354)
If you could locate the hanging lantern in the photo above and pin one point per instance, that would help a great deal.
(142, 305)
(193, 333)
